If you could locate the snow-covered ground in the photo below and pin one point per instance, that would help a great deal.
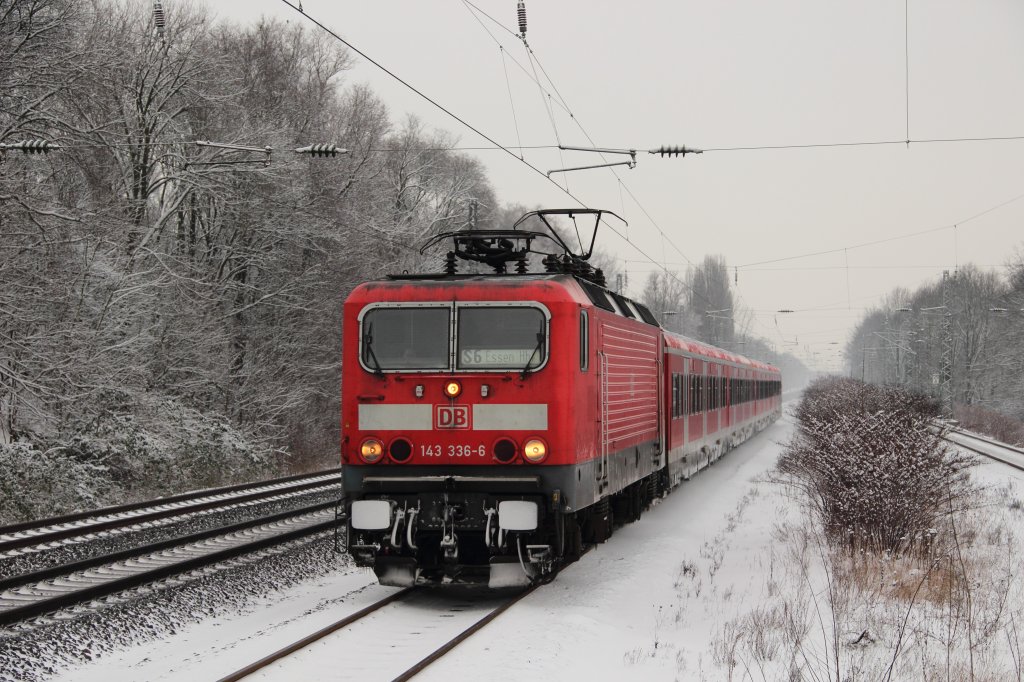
(659, 601)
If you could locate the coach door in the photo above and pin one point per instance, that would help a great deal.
(714, 397)
(695, 420)
(726, 396)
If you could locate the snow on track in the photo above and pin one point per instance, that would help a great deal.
(388, 641)
(628, 609)
(159, 513)
(66, 586)
(1002, 452)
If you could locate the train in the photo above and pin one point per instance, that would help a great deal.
(497, 421)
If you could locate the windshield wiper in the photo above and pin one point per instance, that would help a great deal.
(368, 345)
(538, 351)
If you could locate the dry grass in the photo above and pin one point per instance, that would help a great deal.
(904, 579)
(954, 614)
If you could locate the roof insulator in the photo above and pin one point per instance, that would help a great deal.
(521, 11)
(158, 18)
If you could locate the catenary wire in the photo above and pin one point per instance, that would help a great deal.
(464, 122)
(568, 110)
(908, 235)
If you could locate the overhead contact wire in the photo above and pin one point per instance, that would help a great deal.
(463, 122)
(561, 101)
(643, 209)
(888, 239)
(511, 101)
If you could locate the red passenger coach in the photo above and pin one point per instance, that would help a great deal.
(494, 423)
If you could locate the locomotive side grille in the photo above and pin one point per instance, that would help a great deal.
(630, 384)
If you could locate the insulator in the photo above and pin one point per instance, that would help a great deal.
(675, 151)
(599, 277)
(158, 18)
(31, 146)
(569, 265)
(551, 263)
(321, 150)
(450, 267)
(521, 264)
(521, 11)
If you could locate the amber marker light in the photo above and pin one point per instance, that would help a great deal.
(371, 450)
(452, 388)
(535, 450)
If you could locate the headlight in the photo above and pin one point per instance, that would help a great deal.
(452, 388)
(535, 450)
(371, 450)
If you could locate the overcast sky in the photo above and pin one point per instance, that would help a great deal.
(715, 75)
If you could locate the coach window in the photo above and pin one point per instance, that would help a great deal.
(396, 338)
(501, 338)
(584, 341)
(681, 380)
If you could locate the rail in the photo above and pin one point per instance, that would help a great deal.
(961, 435)
(398, 596)
(74, 526)
(53, 589)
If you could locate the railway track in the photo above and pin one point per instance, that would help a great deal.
(56, 589)
(72, 528)
(1001, 452)
(53, 589)
(393, 625)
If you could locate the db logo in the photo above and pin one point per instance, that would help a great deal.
(451, 417)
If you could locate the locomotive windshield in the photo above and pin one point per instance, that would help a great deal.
(406, 338)
(501, 338)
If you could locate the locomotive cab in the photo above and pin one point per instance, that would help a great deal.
(447, 422)
(461, 432)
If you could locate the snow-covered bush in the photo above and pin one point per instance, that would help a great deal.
(159, 448)
(872, 466)
(45, 482)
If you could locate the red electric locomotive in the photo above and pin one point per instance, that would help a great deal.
(494, 423)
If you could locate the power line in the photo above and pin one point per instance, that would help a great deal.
(457, 118)
(906, 61)
(534, 59)
(888, 239)
(565, 107)
(382, 150)
(864, 143)
(840, 267)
